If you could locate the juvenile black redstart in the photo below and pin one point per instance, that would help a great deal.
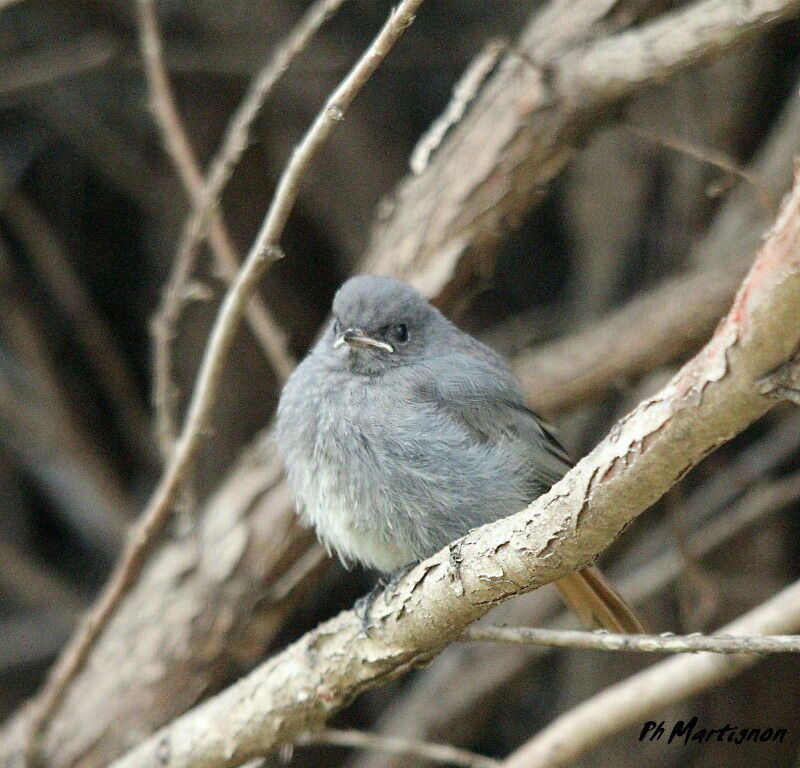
(401, 432)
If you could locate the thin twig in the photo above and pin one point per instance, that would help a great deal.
(236, 139)
(437, 753)
(264, 251)
(179, 149)
(713, 157)
(632, 700)
(608, 641)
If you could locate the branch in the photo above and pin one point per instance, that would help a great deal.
(607, 641)
(652, 330)
(709, 401)
(179, 149)
(263, 252)
(438, 753)
(524, 126)
(205, 213)
(645, 693)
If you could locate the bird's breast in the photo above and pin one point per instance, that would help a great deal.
(326, 431)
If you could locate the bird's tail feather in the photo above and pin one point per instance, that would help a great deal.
(596, 603)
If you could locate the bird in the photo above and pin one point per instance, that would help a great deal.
(400, 433)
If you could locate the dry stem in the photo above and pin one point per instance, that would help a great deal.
(608, 641)
(264, 251)
(180, 151)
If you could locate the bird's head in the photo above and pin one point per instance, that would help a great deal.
(379, 323)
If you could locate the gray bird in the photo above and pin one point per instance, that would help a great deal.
(400, 433)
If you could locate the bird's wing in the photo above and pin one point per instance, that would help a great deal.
(482, 395)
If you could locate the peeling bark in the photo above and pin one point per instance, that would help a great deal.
(712, 398)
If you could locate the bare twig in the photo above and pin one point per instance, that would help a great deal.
(709, 401)
(206, 204)
(263, 252)
(607, 641)
(180, 151)
(628, 702)
(437, 753)
(711, 156)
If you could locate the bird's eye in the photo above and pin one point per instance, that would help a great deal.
(399, 332)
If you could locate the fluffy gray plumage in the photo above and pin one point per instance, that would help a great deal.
(401, 433)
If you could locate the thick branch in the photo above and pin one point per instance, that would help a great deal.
(652, 330)
(709, 401)
(524, 126)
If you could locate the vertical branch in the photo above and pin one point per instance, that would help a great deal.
(206, 204)
(263, 252)
(179, 149)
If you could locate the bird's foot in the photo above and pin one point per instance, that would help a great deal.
(396, 576)
(363, 606)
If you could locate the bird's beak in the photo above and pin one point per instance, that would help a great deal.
(355, 337)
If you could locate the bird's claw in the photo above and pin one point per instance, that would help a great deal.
(363, 606)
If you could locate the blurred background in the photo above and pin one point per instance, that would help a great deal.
(669, 193)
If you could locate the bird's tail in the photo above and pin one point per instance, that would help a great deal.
(596, 603)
